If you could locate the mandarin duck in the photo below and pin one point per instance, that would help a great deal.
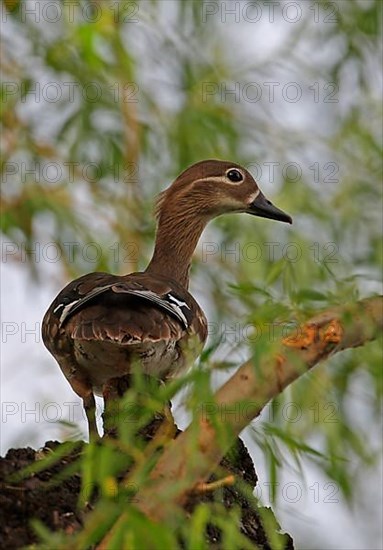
(100, 324)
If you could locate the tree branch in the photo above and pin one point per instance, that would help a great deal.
(325, 334)
(189, 459)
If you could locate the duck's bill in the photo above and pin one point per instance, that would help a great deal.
(263, 208)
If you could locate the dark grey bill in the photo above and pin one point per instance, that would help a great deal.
(263, 208)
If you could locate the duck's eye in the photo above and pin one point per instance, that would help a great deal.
(234, 175)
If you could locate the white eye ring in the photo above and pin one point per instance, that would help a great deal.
(234, 175)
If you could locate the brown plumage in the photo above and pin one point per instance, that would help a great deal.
(100, 324)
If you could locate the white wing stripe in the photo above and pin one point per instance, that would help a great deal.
(164, 303)
(178, 302)
(65, 311)
(169, 303)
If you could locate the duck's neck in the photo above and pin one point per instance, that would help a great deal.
(176, 241)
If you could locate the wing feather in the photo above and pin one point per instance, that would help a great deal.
(130, 322)
(123, 288)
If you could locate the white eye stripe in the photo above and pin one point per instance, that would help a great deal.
(222, 179)
(219, 179)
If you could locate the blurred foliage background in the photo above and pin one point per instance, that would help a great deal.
(104, 103)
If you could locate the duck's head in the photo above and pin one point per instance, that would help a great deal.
(213, 187)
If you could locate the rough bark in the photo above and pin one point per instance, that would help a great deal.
(43, 496)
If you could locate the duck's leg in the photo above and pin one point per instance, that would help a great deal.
(84, 390)
(169, 426)
(164, 426)
(111, 408)
(90, 411)
(112, 391)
